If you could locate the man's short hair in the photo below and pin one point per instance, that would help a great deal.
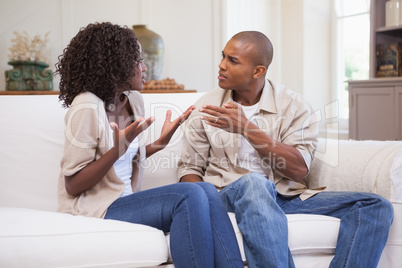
(264, 49)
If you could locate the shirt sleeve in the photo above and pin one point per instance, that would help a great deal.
(302, 131)
(82, 136)
(195, 150)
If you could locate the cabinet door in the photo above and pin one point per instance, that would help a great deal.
(372, 114)
(398, 111)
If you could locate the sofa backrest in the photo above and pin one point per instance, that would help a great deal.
(161, 168)
(32, 140)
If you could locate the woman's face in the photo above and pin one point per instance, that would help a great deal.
(138, 80)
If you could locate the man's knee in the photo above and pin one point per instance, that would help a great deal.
(387, 209)
(255, 184)
(384, 210)
(256, 181)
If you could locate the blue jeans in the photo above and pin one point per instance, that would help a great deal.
(260, 213)
(201, 234)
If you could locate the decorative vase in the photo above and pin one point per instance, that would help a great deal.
(29, 75)
(392, 13)
(152, 51)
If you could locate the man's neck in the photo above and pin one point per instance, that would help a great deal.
(248, 97)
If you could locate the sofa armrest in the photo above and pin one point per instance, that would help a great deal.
(364, 166)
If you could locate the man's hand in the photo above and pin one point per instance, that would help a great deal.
(288, 160)
(230, 117)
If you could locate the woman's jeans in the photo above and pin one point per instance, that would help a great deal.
(260, 214)
(201, 234)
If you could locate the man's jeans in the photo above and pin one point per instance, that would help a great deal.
(260, 214)
(201, 234)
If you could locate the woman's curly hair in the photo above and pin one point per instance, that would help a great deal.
(99, 59)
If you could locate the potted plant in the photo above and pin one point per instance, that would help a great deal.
(28, 60)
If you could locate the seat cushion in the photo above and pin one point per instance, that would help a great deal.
(34, 238)
(308, 234)
(311, 234)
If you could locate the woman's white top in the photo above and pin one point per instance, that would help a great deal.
(123, 167)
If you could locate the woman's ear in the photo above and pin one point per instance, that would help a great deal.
(259, 71)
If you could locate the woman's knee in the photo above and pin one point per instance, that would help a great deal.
(192, 192)
(208, 187)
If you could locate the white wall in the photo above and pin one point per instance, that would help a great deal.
(194, 33)
(300, 31)
(34, 17)
(186, 26)
(257, 15)
(307, 59)
(306, 47)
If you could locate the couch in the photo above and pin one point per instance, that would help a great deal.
(33, 234)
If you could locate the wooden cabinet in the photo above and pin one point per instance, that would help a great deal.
(375, 105)
(398, 109)
(375, 109)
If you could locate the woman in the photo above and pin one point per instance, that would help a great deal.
(101, 74)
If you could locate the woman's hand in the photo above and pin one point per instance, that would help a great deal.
(168, 129)
(123, 138)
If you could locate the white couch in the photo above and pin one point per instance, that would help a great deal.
(32, 234)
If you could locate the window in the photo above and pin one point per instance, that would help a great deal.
(352, 35)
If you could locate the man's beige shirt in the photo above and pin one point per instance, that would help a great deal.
(212, 153)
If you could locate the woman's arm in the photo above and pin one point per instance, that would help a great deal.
(92, 173)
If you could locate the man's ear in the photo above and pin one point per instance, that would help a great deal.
(259, 71)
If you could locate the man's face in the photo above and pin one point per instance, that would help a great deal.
(237, 66)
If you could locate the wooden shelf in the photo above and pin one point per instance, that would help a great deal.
(150, 91)
(379, 33)
(396, 79)
(52, 92)
(29, 92)
(389, 29)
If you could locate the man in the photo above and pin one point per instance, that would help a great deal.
(255, 140)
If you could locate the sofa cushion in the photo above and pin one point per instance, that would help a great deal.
(312, 233)
(33, 238)
(308, 234)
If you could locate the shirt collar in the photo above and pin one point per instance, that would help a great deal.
(267, 100)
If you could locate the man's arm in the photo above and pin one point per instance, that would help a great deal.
(283, 158)
(195, 150)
